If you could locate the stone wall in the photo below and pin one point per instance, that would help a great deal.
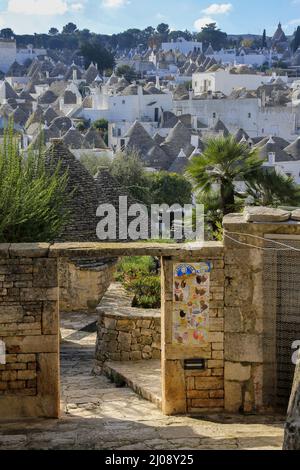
(126, 333)
(82, 283)
(205, 389)
(194, 391)
(29, 378)
(251, 312)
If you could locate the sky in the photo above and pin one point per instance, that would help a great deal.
(112, 16)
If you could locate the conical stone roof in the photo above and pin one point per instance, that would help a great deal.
(84, 201)
(139, 139)
(294, 149)
(93, 139)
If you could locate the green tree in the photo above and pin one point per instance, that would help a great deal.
(222, 163)
(163, 30)
(32, 201)
(95, 52)
(53, 31)
(264, 39)
(269, 188)
(101, 125)
(210, 34)
(7, 33)
(128, 72)
(69, 28)
(296, 40)
(169, 188)
(128, 169)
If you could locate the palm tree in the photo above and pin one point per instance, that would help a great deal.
(269, 188)
(223, 162)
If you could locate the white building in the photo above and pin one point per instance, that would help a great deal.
(182, 45)
(244, 56)
(132, 104)
(29, 52)
(8, 53)
(246, 113)
(225, 82)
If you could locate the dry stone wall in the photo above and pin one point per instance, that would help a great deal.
(83, 283)
(126, 333)
(29, 382)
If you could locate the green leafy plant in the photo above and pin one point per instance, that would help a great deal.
(139, 275)
(223, 162)
(32, 200)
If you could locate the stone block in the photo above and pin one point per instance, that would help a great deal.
(209, 383)
(233, 396)
(8, 375)
(208, 403)
(136, 355)
(39, 293)
(216, 394)
(215, 363)
(237, 372)
(125, 325)
(45, 273)
(233, 320)
(197, 394)
(218, 355)
(26, 374)
(50, 318)
(215, 337)
(124, 337)
(216, 325)
(109, 323)
(217, 372)
(243, 348)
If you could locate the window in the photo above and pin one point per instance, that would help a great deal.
(272, 156)
(249, 115)
(214, 115)
(156, 115)
(123, 101)
(119, 133)
(122, 143)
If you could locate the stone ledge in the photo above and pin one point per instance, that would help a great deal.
(212, 250)
(144, 379)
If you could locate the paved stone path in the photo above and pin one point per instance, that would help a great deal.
(97, 415)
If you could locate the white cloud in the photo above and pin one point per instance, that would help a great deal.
(218, 9)
(114, 3)
(294, 22)
(37, 7)
(76, 6)
(202, 22)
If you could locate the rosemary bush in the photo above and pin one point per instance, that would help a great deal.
(32, 199)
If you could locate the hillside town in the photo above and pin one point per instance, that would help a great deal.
(149, 234)
(185, 94)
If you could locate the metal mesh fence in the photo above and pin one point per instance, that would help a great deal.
(281, 281)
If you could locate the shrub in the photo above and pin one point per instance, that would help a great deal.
(139, 276)
(32, 201)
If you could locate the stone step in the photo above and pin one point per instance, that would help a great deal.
(143, 377)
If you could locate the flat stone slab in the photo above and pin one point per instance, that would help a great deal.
(266, 214)
(296, 215)
(143, 377)
(117, 303)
